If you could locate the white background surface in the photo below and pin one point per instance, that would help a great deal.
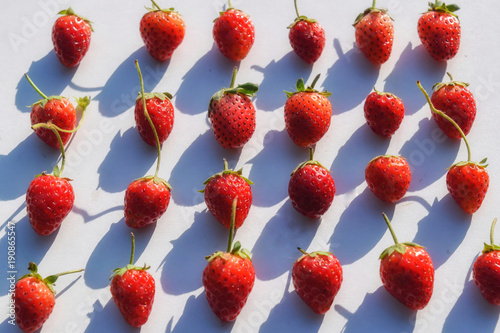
(107, 154)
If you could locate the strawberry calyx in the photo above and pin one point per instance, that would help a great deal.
(49, 280)
(147, 96)
(157, 180)
(309, 89)
(312, 254)
(70, 11)
(482, 164)
(491, 247)
(300, 17)
(440, 6)
(121, 270)
(386, 157)
(452, 83)
(227, 171)
(157, 8)
(370, 10)
(311, 161)
(399, 247)
(383, 93)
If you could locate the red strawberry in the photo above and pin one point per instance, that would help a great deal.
(486, 271)
(232, 114)
(384, 113)
(439, 30)
(57, 111)
(308, 113)
(388, 177)
(311, 188)
(34, 299)
(317, 278)
(467, 181)
(234, 33)
(456, 101)
(307, 37)
(407, 272)
(133, 290)
(228, 278)
(71, 37)
(374, 34)
(162, 31)
(220, 191)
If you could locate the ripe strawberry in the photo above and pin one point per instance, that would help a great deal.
(162, 31)
(439, 30)
(71, 37)
(456, 101)
(374, 34)
(308, 113)
(311, 188)
(133, 290)
(234, 33)
(307, 37)
(467, 181)
(486, 271)
(57, 111)
(228, 278)
(34, 299)
(407, 272)
(388, 177)
(232, 114)
(317, 278)
(384, 113)
(220, 191)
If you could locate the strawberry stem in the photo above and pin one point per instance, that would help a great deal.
(155, 4)
(34, 86)
(390, 228)
(374, 3)
(311, 153)
(54, 128)
(296, 8)
(226, 167)
(451, 77)
(230, 5)
(233, 78)
(231, 229)
(315, 80)
(146, 114)
(303, 252)
(69, 272)
(445, 116)
(132, 252)
(492, 230)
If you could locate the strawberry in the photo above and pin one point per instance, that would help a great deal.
(147, 198)
(384, 113)
(229, 277)
(456, 101)
(407, 272)
(71, 37)
(307, 37)
(59, 113)
(220, 191)
(308, 113)
(317, 278)
(133, 290)
(34, 298)
(232, 114)
(374, 34)
(234, 33)
(467, 181)
(439, 30)
(162, 31)
(486, 271)
(388, 177)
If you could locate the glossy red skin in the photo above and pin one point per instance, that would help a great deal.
(61, 113)
(219, 195)
(410, 277)
(71, 39)
(145, 202)
(311, 190)
(384, 113)
(162, 33)
(468, 185)
(317, 280)
(161, 113)
(459, 104)
(233, 120)
(388, 178)
(307, 117)
(49, 200)
(228, 280)
(307, 40)
(486, 274)
(34, 302)
(234, 34)
(134, 294)
(440, 34)
(375, 36)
